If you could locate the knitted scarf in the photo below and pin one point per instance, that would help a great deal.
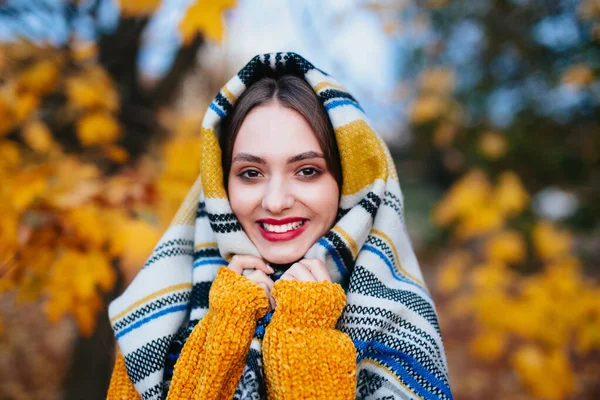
(389, 315)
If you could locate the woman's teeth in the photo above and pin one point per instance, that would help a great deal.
(282, 228)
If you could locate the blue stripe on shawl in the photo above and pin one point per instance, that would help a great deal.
(383, 352)
(151, 317)
(391, 267)
(216, 109)
(204, 261)
(337, 103)
(336, 258)
(404, 375)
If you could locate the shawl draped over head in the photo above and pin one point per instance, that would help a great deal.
(389, 313)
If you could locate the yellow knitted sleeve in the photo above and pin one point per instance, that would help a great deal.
(304, 356)
(213, 358)
(214, 355)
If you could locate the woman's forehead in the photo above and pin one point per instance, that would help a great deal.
(274, 129)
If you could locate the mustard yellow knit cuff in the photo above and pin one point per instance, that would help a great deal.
(213, 357)
(308, 304)
(232, 291)
(304, 356)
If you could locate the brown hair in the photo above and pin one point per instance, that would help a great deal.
(292, 92)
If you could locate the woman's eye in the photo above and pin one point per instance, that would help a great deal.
(308, 172)
(249, 174)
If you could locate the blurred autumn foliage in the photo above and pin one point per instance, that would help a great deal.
(75, 205)
(91, 167)
(508, 124)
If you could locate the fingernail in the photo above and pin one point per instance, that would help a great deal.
(271, 270)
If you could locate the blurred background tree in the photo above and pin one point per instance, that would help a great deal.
(90, 172)
(490, 108)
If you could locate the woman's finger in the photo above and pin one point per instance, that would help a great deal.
(257, 276)
(299, 272)
(264, 281)
(317, 268)
(239, 263)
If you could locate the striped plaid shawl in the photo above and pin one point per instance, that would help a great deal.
(389, 314)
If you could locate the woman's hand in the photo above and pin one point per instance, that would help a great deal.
(256, 270)
(307, 270)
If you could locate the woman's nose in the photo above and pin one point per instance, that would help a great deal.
(277, 197)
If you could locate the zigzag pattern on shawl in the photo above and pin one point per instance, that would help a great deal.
(141, 363)
(389, 313)
(385, 337)
(162, 303)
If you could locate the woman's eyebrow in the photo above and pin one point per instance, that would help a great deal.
(304, 156)
(246, 157)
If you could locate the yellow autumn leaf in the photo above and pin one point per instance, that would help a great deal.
(8, 233)
(178, 149)
(84, 50)
(10, 155)
(133, 241)
(41, 78)
(37, 135)
(92, 89)
(85, 318)
(29, 186)
(578, 75)
(74, 183)
(488, 345)
(57, 306)
(510, 195)
(444, 134)
(490, 276)
(93, 271)
(562, 278)
(84, 279)
(491, 307)
(437, 80)
(26, 103)
(87, 225)
(106, 276)
(205, 17)
(470, 193)
(133, 8)
(550, 241)
(97, 127)
(427, 108)
(528, 362)
(588, 335)
(492, 145)
(485, 219)
(506, 247)
(171, 193)
(547, 374)
(117, 154)
(452, 271)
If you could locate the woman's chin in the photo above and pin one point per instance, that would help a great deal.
(281, 259)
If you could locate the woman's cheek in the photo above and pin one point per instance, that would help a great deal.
(321, 197)
(244, 199)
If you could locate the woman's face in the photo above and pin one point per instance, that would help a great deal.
(280, 187)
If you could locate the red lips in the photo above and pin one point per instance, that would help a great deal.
(284, 221)
(281, 236)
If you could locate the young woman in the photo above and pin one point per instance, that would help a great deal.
(287, 273)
